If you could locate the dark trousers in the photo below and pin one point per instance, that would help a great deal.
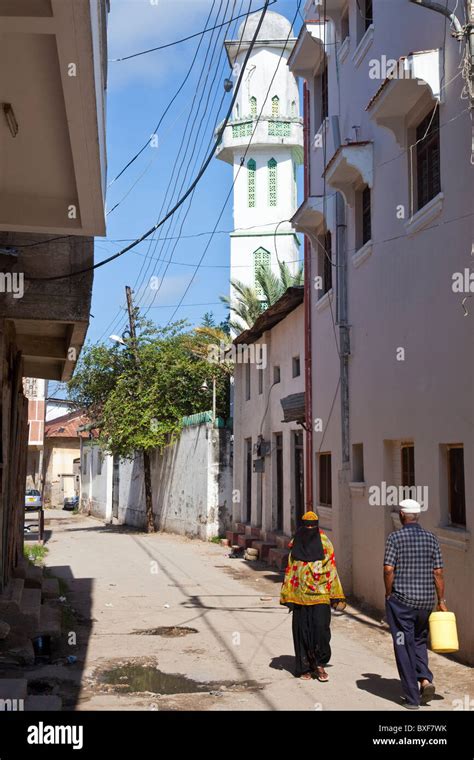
(409, 628)
(311, 636)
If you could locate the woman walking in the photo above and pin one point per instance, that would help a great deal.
(311, 587)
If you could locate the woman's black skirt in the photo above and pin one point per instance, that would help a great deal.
(311, 636)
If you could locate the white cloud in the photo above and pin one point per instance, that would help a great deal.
(136, 25)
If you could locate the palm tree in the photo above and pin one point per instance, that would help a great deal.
(247, 304)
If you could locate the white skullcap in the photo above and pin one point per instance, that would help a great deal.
(410, 507)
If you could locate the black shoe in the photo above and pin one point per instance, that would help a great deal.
(427, 693)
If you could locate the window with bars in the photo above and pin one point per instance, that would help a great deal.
(366, 215)
(327, 262)
(325, 485)
(324, 94)
(428, 176)
(279, 128)
(261, 260)
(275, 105)
(251, 173)
(408, 465)
(253, 105)
(457, 494)
(272, 182)
(244, 129)
(368, 13)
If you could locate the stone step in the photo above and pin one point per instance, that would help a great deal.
(16, 586)
(10, 599)
(13, 688)
(31, 604)
(252, 531)
(50, 588)
(232, 537)
(17, 649)
(278, 558)
(240, 527)
(282, 541)
(50, 622)
(263, 549)
(244, 540)
(31, 574)
(43, 702)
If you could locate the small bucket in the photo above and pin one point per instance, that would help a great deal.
(443, 632)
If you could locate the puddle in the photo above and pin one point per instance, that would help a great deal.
(131, 678)
(172, 631)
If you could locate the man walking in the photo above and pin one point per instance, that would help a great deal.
(413, 575)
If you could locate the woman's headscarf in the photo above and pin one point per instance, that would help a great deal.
(307, 545)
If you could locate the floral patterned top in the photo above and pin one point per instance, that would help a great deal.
(313, 582)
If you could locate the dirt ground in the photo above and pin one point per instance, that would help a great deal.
(238, 654)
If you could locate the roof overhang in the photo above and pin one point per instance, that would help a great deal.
(308, 53)
(290, 300)
(294, 409)
(52, 145)
(351, 167)
(310, 216)
(413, 82)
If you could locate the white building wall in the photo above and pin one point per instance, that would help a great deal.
(263, 413)
(400, 295)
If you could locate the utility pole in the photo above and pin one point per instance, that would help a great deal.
(150, 522)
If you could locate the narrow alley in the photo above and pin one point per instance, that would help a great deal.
(117, 582)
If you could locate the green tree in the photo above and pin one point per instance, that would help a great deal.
(246, 305)
(139, 394)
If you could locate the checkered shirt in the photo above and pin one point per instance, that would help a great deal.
(414, 553)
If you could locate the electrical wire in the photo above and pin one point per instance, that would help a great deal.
(242, 161)
(186, 195)
(185, 39)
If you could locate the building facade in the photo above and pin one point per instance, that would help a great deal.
(268, 435)
(388, 220)
(263, 143)
(52, 193)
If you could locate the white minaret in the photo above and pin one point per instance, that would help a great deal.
(265, 192)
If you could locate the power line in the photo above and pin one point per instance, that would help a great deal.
(189, 206)
(185, 39)
(188, 191)
(242, 160)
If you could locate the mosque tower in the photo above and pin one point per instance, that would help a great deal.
(265, 190)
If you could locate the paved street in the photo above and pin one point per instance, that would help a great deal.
(121, 581)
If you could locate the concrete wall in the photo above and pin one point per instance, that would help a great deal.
(263, 414)
(191, 484)
(96, 481)
(399, 295)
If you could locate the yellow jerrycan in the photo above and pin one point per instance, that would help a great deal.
(443, 632)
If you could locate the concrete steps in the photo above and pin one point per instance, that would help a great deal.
(252, 532)
(49, 622)
(17, 649)
(278, 558)
(50, 588)
(232, 537)
(31, 574)
(263, 549)
(244, 541)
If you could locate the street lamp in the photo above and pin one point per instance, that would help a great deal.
(117, 339)
(205, 387)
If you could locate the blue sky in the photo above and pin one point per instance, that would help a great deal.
(139, 90)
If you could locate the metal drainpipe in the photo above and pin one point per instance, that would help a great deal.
(307, 320)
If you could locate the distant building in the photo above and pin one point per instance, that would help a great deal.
(263, 150)
(35, 391)
(62, 449)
